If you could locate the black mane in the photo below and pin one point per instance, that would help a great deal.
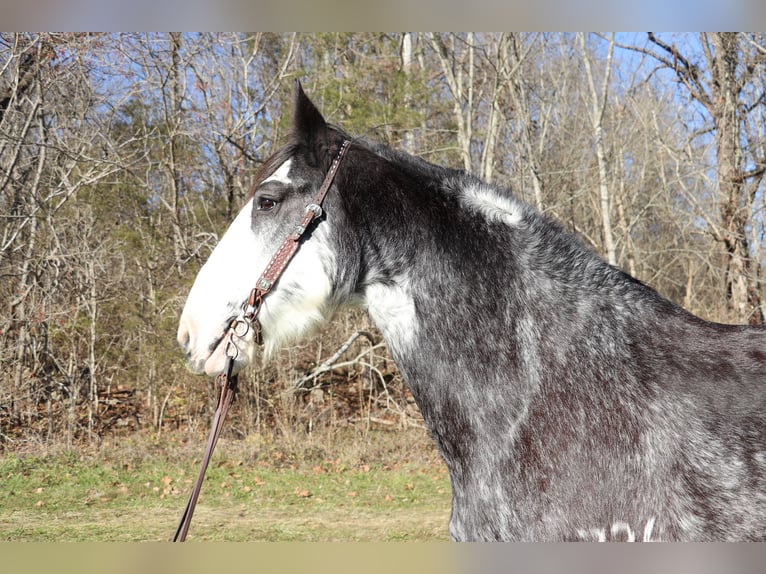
(414, 165)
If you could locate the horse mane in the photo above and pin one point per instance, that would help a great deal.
(413, 164)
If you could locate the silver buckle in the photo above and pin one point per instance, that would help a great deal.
(317, 209)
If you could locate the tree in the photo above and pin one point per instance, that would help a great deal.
(598, 102)
(52, 146)
(723, 74)
(123, 157)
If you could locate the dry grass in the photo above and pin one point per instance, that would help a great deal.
(363, 486)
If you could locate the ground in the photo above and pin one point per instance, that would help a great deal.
(136, 491)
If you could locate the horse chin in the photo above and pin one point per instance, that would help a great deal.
(199, 366)
(216, 361)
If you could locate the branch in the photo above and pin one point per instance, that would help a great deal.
(687, 72)
(330, 365)
(755, 172)
(242, 149)
(753, 43)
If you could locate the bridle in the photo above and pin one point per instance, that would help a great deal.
(248, 320)
(285, 252)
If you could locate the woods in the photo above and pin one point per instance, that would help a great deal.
(124, 156)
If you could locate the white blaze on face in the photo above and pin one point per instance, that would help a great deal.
(222, 285)
(282, 174)
(297, 303)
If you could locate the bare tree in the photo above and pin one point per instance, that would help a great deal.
(124, 156)
(456, 57)
(478, 71)
(718, 74)
(407, 53)
(52, 146)
(598, 103)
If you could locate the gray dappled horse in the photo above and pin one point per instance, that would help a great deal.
(569, 400)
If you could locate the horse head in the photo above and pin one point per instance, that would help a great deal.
(310, 288)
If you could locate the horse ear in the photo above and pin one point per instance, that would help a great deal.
(309, 127)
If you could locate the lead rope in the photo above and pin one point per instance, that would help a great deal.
(228, 384)
(248, 319)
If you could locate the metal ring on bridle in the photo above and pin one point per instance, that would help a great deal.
(227, 351)
(240, 327)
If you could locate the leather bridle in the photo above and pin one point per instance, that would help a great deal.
(247, 320)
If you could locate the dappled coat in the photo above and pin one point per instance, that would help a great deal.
(569, 400)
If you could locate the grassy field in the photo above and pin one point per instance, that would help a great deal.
(380, 488)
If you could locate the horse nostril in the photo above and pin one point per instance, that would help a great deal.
(184, 338)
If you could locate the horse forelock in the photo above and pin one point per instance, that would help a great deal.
(288, 151)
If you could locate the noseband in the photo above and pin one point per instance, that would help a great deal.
(247, 320)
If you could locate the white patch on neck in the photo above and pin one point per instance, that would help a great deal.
(282, 174)
(618, 529)
(495, 207)
(648, 529)
(623, 528)
(392, 309)
(592, 534)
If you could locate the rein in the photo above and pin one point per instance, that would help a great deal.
(247, 320)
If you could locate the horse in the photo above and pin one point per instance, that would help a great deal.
(569, 400)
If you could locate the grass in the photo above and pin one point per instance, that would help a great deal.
(135, 490)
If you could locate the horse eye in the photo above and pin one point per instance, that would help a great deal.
(265, 204)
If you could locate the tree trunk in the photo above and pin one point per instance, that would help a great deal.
(742, 296)
(598, 106)
(460, 89)
(406, 55)
(173, 122)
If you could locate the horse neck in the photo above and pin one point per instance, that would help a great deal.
(441, 286)
(453, 292)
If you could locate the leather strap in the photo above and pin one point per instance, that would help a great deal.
(249, 317)
(290, 245)
(228, 384)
